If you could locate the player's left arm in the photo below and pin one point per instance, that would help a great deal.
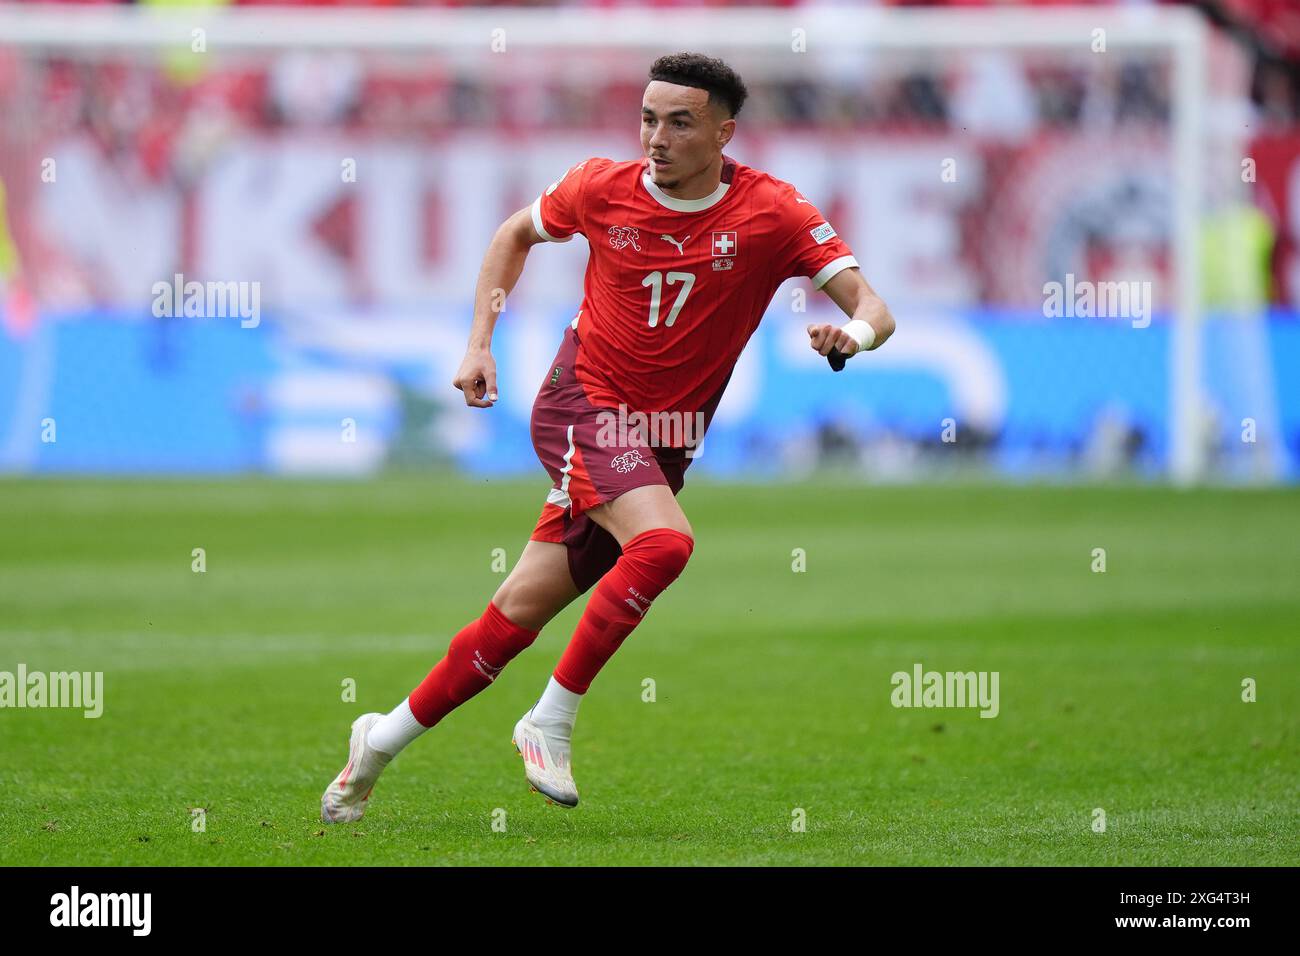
(870, 322)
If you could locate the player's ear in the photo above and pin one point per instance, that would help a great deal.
(725, 132)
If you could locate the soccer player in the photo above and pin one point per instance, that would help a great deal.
(688, 247)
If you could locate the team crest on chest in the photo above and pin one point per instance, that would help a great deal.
(724, 243)
(620, 237)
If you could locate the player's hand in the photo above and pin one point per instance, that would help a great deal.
(477, 378)
(825, 337)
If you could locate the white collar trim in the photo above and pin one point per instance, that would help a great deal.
(683, 205)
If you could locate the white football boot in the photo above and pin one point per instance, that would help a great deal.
(344, 800)
(547, 763)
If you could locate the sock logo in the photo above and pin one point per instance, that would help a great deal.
(486, 669)
(636, 601)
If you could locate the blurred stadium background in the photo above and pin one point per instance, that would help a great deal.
(353, 162)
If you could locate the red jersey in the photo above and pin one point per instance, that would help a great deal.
(675, 287)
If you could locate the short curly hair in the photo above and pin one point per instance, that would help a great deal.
(724, 85)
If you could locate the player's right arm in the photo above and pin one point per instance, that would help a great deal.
(502, 265)
(554, 217)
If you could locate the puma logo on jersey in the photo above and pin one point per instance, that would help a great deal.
(620, 237)
(679, 245)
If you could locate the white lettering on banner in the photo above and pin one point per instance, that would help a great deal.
(416, 224)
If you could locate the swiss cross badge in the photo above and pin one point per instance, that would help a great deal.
(724, 243)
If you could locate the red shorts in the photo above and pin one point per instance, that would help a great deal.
(588, 468)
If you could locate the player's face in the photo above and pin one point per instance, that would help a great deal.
(681, 134)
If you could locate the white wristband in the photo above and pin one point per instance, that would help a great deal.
(861, 332)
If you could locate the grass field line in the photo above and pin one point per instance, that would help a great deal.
(178, 652)
(969, 608)
(170, 651)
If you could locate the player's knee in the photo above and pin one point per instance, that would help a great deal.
(524, 604)
(531, 614)
(678, 548)
(663, 550)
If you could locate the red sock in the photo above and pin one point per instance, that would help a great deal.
(650, 562)
(474, 658)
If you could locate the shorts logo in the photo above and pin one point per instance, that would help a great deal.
(620, 237)
(627, 461)
(822, 233)
(724, 243)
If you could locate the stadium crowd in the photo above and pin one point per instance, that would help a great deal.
(1269, 29)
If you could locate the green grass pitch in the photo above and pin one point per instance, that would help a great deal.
(223, 690)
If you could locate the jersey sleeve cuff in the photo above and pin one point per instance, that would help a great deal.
(828, 270)
(537, 224)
